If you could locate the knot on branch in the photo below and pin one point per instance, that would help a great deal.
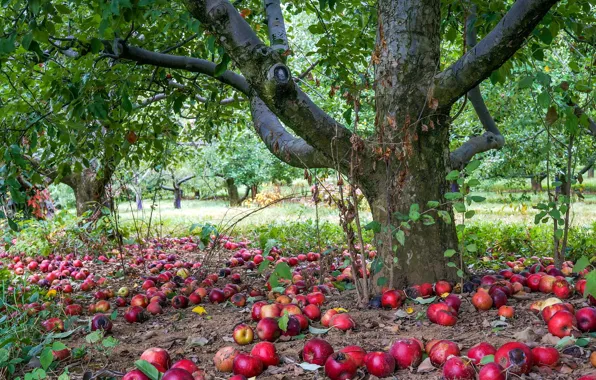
(279, 73)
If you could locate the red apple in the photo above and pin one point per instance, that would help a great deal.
(545, 356)
(477, 352)
(135, 375)
(316, 351)
(326, 318)
(562, 324)
(255, 312)
(506, 311)
(391, 299)
(407, 353)
(268, 329)
(267, 353)
(135, 314)
(482, 301)
(562, 289)
(177, 374)
(442, 287)
(158, 357)
(441, 351)
(356, 353)
(139, 300)
(342, 322)
(586, 319)
(453, 301)
(216, 296)
(546, 284)
(312, 312)
(270, 311)
(316, 298)
(187, 365)
(247, 365)
(516, 357)
(458, 368)
(340, 366)
(380, 364)
(492, 371)
(179, 302)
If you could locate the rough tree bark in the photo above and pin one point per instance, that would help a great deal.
(591, 173)
(410, 154)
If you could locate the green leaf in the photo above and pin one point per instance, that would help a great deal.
(451, 264)
(425, 301)
(110, 342)
(525, 82)
(459, 207)
(222, 66)
(381, 281)
(148, 369)
(453, 196)
(453, 175)
(564, 342)
(264, 264)
(96, 45)
(472, 165)
(126, 104)
(46, 358)
(471, 248)
(373, 226)
(460, 273)
(590, 284)
(477, 198)
(579, 266)
(450, 253)
(469, 214)
(283, 270)
(582, 342)
(432, 204)
(544, 99)
(94, 337)
(317, 331)
(58, 346)
(487, 359)
(282, 322)
(401, 237)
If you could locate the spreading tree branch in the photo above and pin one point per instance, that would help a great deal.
(494, 50)
(292, 150)
(185, 179)
(271, 79)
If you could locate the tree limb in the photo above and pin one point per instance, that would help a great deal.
(271, 79)
(195, 65)
(163, 187)
(185, 179)
(290, 149)
(275, 24)
(494, 50)
(492, 138)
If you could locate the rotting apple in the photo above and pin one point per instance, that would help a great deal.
(516, 357)
(101, 322)
(224, 358)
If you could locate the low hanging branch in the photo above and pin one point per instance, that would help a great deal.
(492, 138)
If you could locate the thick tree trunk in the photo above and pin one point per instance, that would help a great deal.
(536, 184)
(178, 198)
(233, 196)
(591, 173)
(89, 191)
(414, 136)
